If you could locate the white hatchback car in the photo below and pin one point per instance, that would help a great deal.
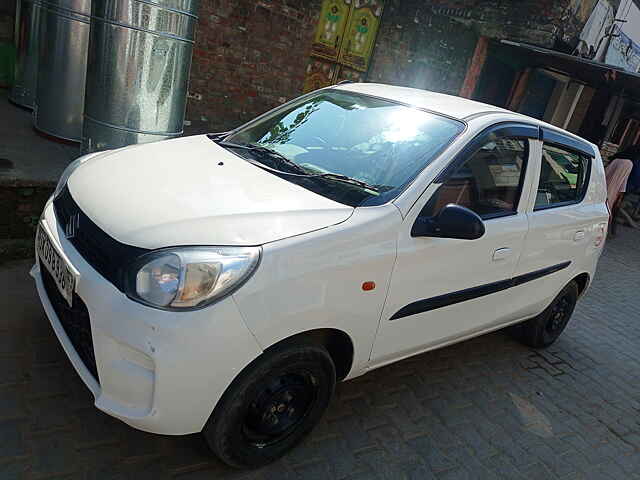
(224, 283)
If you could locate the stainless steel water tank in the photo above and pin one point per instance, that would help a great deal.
(62, 66)
(139, 63)
(24, 87)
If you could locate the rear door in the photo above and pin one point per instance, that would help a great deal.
(566, 215)
(444, 289)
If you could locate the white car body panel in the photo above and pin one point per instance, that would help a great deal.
(318, 277)
(155, 367)
(460, 264)
(454, 107)
(193, 200)
(563, 234)
(164, 372)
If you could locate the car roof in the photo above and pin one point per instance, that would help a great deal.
(456, 107)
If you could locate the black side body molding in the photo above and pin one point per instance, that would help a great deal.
(475, 292)
(529, 277)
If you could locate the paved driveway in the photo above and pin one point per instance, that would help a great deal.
(486, 408)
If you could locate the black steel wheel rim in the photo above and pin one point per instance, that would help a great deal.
(280, 405)
(560, 314)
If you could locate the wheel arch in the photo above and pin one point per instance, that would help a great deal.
(337, 342)
(583, 280)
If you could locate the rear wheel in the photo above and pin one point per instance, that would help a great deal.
(543, 330)
(272, 405)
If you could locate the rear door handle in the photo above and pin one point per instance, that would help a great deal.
(578, 236)
(501, 254)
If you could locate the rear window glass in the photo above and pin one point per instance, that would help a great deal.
(563, 177)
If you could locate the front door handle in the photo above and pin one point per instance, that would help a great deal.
(578, 236)
(501, 254)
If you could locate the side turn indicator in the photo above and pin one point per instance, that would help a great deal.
(367, 286)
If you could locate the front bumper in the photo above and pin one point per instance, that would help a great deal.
(161, 372)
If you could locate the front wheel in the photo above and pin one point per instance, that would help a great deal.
(543, 330)
(271, 405)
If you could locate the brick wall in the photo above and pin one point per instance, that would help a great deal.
(540, 22)
(249, 57)
(22, 203)
(429, 44)
(419, 49)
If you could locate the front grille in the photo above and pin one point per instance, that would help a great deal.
(104, 253)
(74, 320)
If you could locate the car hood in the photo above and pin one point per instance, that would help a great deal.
(190, 191)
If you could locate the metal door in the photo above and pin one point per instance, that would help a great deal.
(343, 43)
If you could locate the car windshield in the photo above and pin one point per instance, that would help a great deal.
(352, 148)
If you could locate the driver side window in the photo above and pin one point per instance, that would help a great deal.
(489, 182)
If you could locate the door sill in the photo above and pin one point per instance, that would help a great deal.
(446, 343)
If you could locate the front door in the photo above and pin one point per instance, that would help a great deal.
(343, 42)
(445, 289)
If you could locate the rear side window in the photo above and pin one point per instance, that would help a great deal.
(563, 177)
(489, 182)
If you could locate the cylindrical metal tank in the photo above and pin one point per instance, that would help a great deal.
(26, 70)
(62, 67)
(139, 63)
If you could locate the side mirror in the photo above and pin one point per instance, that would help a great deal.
(453, 221)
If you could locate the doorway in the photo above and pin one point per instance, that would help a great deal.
(343, 43)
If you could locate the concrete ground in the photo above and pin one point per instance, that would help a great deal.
(485, 408)
(43, 161)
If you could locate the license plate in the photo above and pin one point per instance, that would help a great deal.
(55, 264)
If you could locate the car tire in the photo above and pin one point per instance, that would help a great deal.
(543, 330)
(271, 405)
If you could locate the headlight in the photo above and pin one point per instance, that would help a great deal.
(191, 277)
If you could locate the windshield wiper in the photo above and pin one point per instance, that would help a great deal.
(303, 172)
(219, 136)
(344, 179)
(267, 151)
